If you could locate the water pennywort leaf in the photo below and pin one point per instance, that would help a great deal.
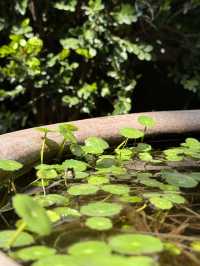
(89, 248)
(33, 253)
(99, 223)
(131, 133)
(100, 209)
(10, 165)
(146, 121)
(23, 239)
(32, 213)
(83, 189)
(130, 244)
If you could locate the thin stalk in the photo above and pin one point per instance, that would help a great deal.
(17, 233)
(42, 159)
(61, 149)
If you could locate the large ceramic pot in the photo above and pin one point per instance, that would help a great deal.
(24, 146)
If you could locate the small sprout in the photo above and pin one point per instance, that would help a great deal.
(95, 145)
(131, 133)
(146, 121)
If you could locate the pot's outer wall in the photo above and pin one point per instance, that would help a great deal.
(24, 145)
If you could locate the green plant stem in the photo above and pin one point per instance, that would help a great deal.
(17, 233)
(122, 144)
(42, 159)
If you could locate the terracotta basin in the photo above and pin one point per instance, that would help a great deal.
(24, 145)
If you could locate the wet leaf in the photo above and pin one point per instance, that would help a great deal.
(116, 189)
(23, 239)
(131, 133)
(101, 209)
(89, 248)
(75, 164)
(99, 223)
(161, 203)
(51, 199)
(130, 244)
(95, 145)
(10, 165)
(56, 260)
(146, 121)
(83, 189)
(34, 253)
(33, 214)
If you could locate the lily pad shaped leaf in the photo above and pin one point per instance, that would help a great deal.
(99, 223)
(95, 145)
(83, 189)
(75, 164)
(131, 133)
(116, 189)
(161, 203)
(115, 260)
(89, 248)
(98, 180)
(10, 165)
(51, 199)
(131, 244)
(179, 179)
(33, 214)
(23, 239)
(101, 209)
(67, 212)
(34, 253)
(56, 260)
(146, 121)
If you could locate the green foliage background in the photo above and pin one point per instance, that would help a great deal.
(62, 59)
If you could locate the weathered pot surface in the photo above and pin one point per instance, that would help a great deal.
(24, 145)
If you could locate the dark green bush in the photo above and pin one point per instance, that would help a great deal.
(63, 58)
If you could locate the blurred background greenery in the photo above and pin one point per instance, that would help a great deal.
(63, 60)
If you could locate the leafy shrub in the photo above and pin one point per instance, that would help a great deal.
(60, 59)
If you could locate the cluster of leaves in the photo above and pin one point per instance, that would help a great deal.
(77, 55)
(91, 192)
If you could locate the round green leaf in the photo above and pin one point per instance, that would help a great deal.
(98, 180)
(34, 253)
(135, 244)
(99, 223)
(82, 189)
(56, 260)
(179, 179)
(67, 212)
(10, 165)
(116, 189)
(75, 164)
(95, 145)
(174, 198)
(89, 248)
(51, 199)
(131, 133)
(161, 203)
(33, 214)
(23, 239)
(146, 121)
(101, 209)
